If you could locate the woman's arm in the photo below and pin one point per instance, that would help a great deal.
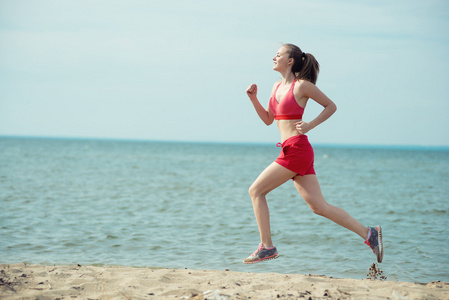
(265, 114)
(309, 90)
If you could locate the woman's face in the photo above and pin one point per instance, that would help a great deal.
(281, 60)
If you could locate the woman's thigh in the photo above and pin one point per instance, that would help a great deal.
(273, 176)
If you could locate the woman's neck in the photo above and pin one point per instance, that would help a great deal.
(288, 77)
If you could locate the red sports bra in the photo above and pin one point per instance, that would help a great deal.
(287, 108)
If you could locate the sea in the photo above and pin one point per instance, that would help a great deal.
(186, 205)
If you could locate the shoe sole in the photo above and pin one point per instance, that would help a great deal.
(263, 259)
(380, 256)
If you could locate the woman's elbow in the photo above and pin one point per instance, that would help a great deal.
(268, 121)
(333, 107)
(267, 118)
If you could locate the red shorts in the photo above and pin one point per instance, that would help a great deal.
(297, 155)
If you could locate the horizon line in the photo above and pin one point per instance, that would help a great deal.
(378, 146)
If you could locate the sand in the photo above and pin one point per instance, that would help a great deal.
(20, 281)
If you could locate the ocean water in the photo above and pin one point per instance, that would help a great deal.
(186, 205)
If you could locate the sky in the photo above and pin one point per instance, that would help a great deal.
(178, 70)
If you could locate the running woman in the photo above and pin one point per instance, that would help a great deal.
(299, 71)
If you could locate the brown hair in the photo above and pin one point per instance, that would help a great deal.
(305, 65)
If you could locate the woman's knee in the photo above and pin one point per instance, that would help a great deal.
(320, 210)
(254, 191)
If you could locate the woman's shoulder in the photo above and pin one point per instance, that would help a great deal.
(304, 85)
(304, 88)
(275, 85)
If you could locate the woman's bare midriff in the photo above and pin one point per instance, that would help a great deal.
(287, 128)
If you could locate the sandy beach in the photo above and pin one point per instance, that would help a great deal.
(20, 281)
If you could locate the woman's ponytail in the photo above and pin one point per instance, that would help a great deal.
(305, 65)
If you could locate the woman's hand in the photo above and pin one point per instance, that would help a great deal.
(251, 91)
(303, 127)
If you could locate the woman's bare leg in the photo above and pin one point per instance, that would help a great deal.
(272, 177)
(309, 189)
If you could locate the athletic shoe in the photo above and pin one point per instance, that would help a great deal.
(262, 254)
(375, 242)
